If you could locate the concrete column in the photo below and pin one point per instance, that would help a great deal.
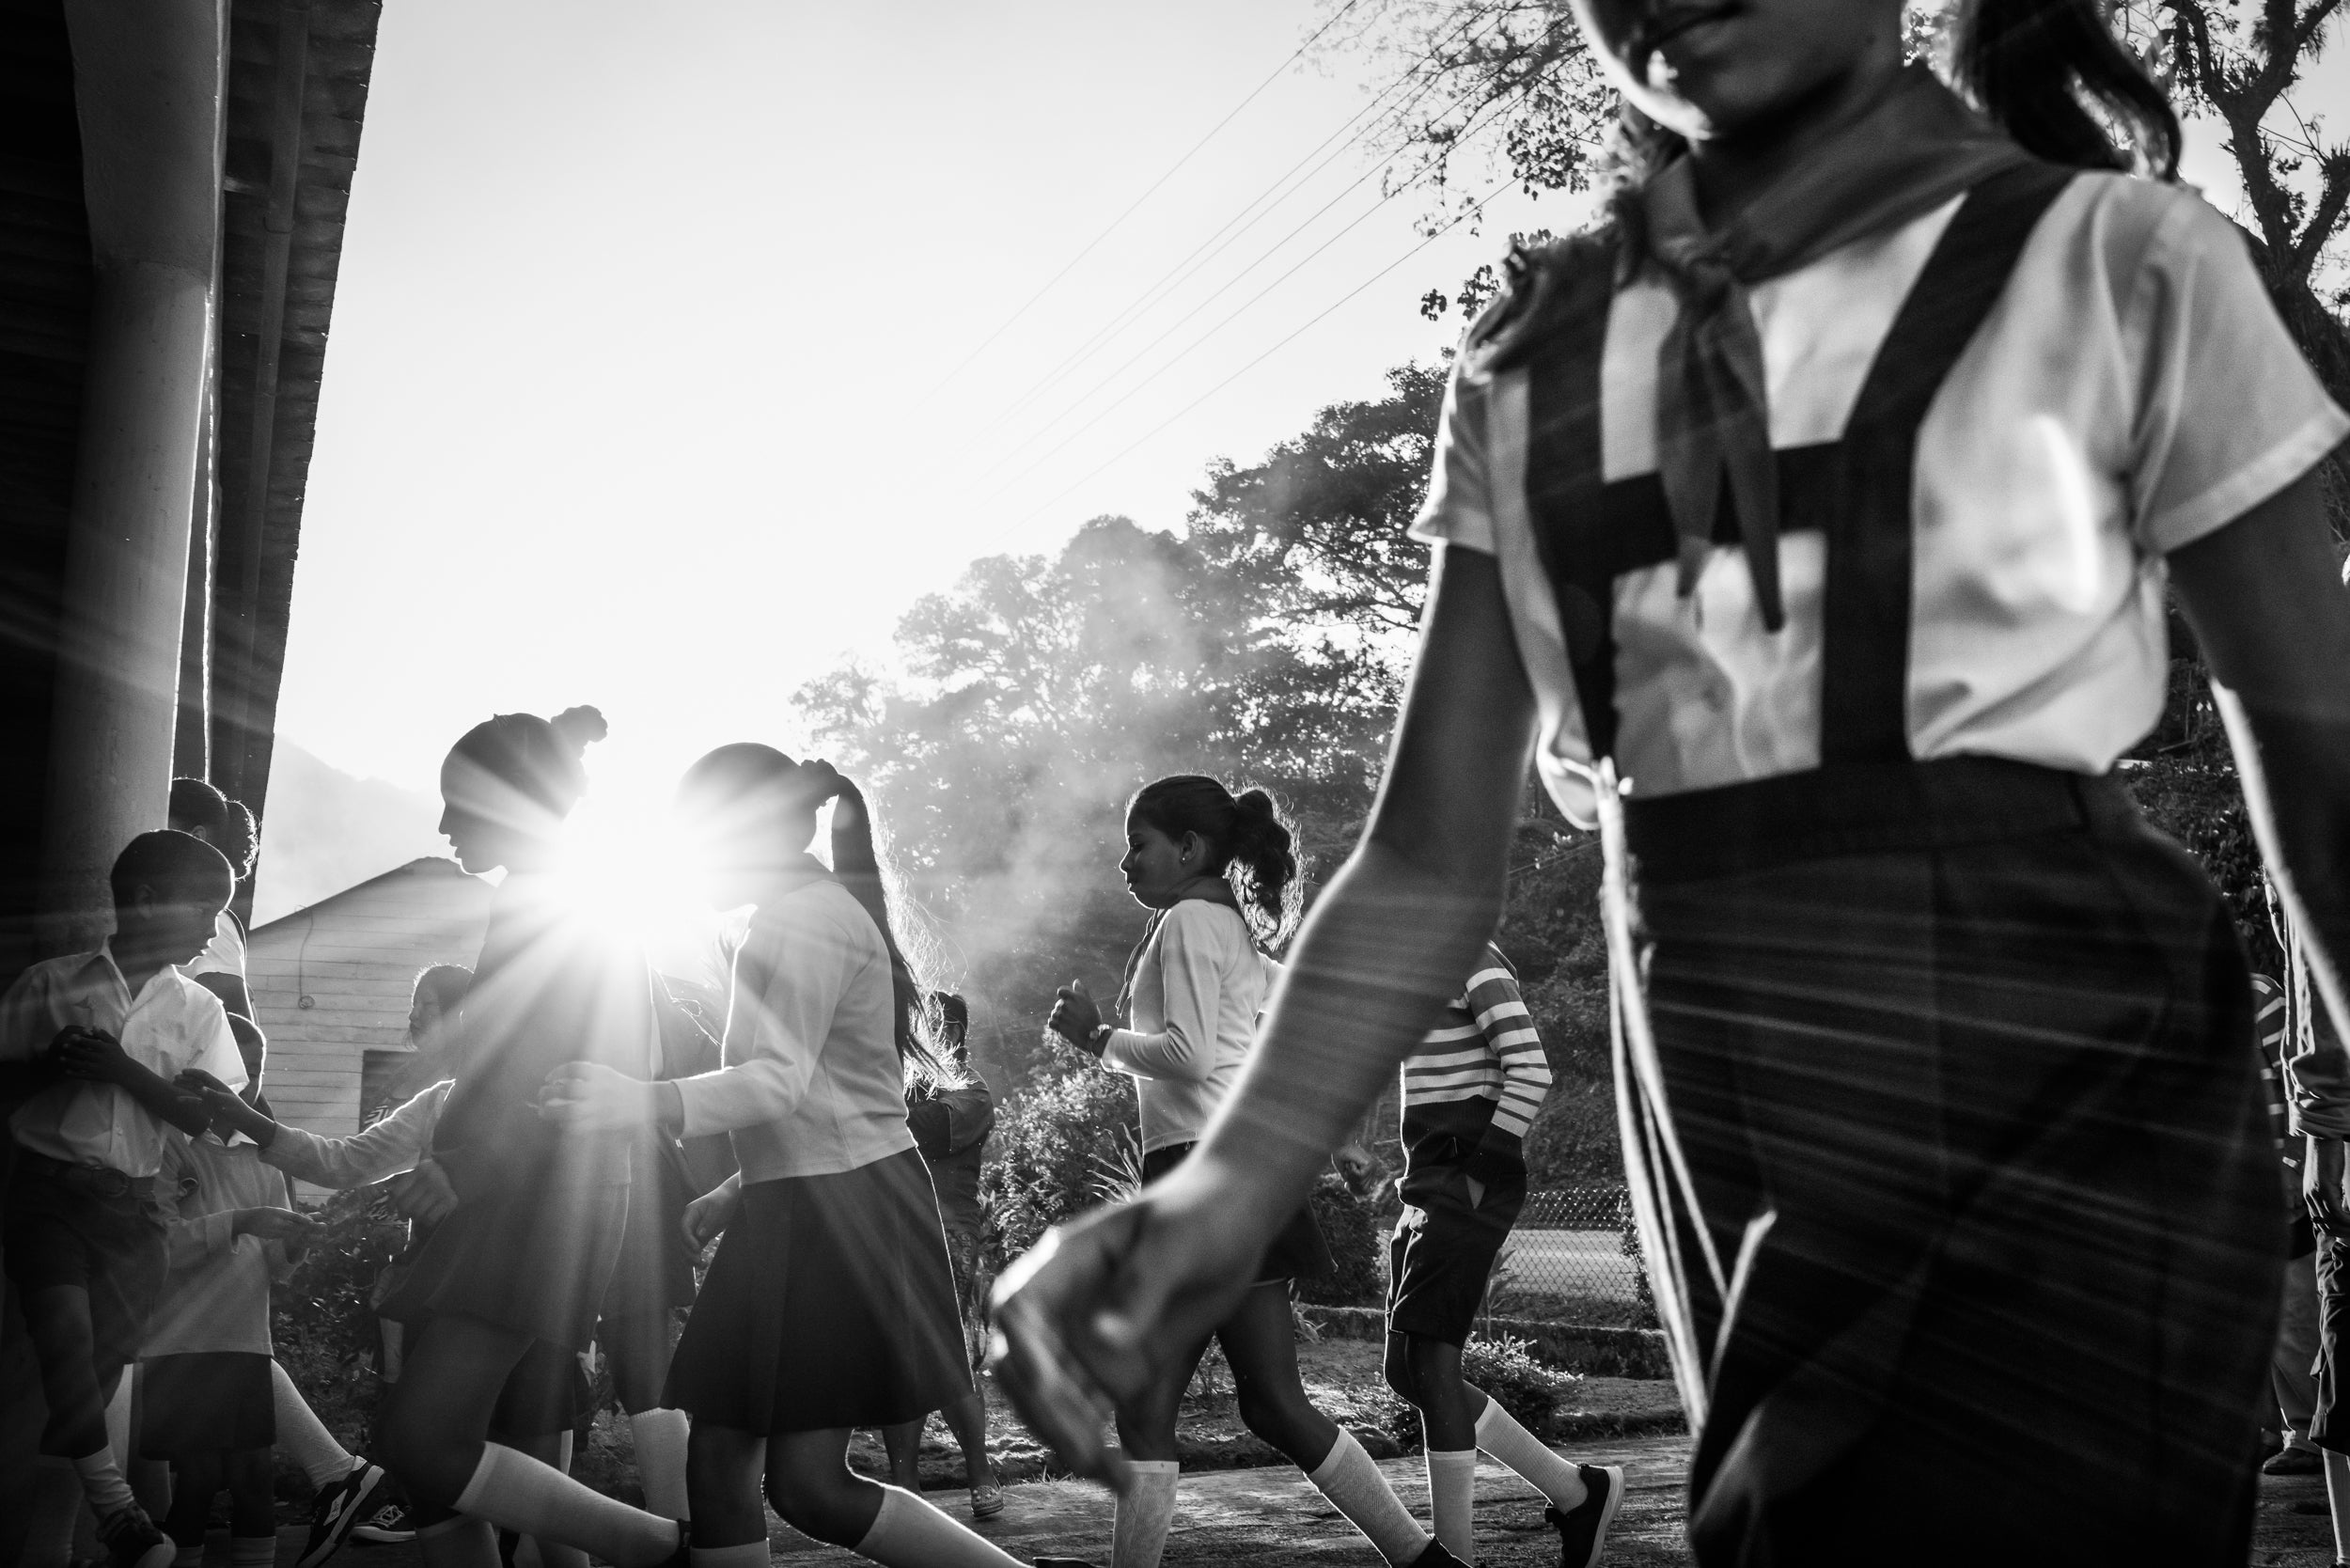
(149, 80)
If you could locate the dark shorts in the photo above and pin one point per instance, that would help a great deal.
(1297, 1250)
(1443, 1251)
(205, 1402)
(2330, 1423)
(830, 1304)
(111, 1248)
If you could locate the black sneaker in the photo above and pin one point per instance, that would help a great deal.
(339, 1509)
(1436, 1557)
(1583, 1532)
(131, 1540)
(389, 1525)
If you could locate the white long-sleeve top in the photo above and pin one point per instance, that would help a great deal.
(812, 1085)
(1192, 1012)
(396, 1142)
(216, 1297)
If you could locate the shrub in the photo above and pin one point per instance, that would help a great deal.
(1049, 1151)
(1358, 1247)
(1506, 1370)
(323, 1329)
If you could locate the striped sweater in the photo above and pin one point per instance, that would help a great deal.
(1472, 1086)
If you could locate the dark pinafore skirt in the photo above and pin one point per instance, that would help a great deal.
(1958, 1053)
(830, 1304)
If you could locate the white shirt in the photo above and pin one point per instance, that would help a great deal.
(2131, 391)
(224, 954)
(171, 1026)
(1198, 990)
(812, 1085)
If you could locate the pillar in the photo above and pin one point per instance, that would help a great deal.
(148, 81)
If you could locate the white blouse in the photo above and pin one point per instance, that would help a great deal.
(2131, 391)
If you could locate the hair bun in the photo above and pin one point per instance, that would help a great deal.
(579, 728)
(822, 781)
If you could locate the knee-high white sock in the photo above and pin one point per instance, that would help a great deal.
(1500, 1435)
(1351, 1479)
(910, 1533)
(304, 1437)
(1146, 1510)
(1453, 1500)
(102, 1482)
(516, 1492)
(458, 1542)
(661, 1437)
(751, 1554)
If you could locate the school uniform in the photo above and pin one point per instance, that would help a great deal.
(546, 1390)
(1953, 1040)
(1193, 989)
(81, 1207)
(830, 1302)
(1469, 1092)
(950, 1127)
(206, 1359)
(541, 1209)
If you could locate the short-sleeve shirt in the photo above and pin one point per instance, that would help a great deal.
(224, 954)
(2131, 391)
(171, 1026)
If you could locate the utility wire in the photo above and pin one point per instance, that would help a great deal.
(1462, 217)
(1186, 349)
(1257, 91)
(1184, 270)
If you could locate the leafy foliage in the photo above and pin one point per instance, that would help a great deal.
(1049, 1149)
(1506, 1370)
(1357, 1242)
(322, 1323)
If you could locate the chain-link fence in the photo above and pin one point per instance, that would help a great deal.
(1571, 1258)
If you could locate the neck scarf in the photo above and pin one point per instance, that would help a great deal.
(1912, 149)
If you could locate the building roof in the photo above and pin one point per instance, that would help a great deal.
(429, 867)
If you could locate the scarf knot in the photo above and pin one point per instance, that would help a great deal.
(1911, 149)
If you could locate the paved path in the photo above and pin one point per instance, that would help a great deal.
(1271, 1518)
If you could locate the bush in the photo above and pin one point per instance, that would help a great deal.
(1357, 1246)
(1506, 1370)
(1052, 1148)
(323, 1327)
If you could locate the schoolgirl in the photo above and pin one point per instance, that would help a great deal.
(207, 1408)
(1468, 1094)
(829, 1305)
(516, 1271)
(1829, 495)
(1220, 875)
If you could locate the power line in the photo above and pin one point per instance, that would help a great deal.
(1182, 272)
(1277, 73)
(1186, 349)
(1463, 216)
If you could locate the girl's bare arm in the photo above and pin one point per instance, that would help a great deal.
(2266, 601)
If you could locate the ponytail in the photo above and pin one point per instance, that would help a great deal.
(2030, 64)
(1252, 843)
(856, 866)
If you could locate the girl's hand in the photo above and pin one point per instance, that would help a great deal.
(227, 1107)
(711, 1213)
(1074, 1017)
(278, 1225)
(423, 1195)
(587, 1097)
(1098, 1314)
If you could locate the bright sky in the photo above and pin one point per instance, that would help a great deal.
(644, 383)
(652, 385)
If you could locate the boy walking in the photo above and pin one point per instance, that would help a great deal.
(83, 1234)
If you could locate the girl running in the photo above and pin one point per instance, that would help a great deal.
(1219, 874)
(1828, 495)
(516, 1271)
(830, 1305)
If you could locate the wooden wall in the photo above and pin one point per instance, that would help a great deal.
(353, 958)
